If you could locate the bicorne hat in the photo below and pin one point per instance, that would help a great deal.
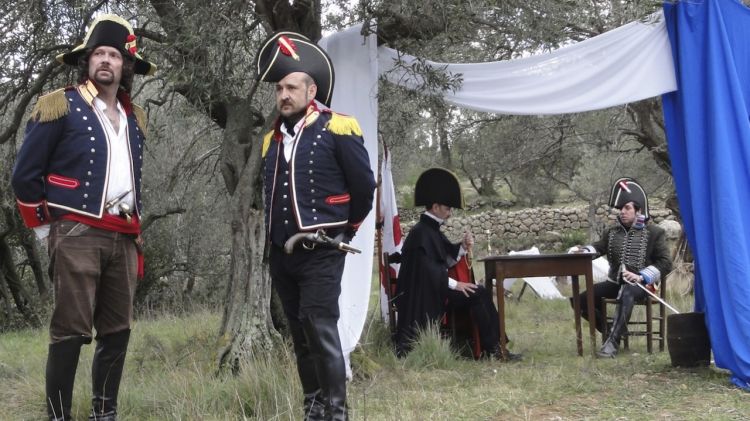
(438, 185)
(288, 52)
(111, 31)
(627, 190)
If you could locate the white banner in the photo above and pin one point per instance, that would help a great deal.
(627, 64)
(355, 93)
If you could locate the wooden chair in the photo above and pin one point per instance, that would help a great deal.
(653, 327)
(463, 330)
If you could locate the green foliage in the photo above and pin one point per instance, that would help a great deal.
(574, 238)
(431, 351)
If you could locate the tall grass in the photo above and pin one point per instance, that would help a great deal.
(171, 375)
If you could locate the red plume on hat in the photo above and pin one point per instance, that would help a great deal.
(287, 47)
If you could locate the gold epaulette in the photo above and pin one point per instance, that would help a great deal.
(50, 107)
(267, 142)
(141, 118)
(343, 125)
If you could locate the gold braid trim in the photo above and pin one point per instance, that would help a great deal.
(50, 107)
(343, 125)
(267, 142)
(141, 118)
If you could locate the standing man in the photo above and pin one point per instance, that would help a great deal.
(424, 290)
(77, 178)
(317, 176)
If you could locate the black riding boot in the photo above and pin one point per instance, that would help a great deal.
(325, 344)
(314, 409)
(106, 372)
(619, 324)
(62, 363)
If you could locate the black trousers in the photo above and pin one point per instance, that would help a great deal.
(484, 313)
(605, 290)
(308, 281)
(309, 284)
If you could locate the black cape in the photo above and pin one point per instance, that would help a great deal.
(422, 285)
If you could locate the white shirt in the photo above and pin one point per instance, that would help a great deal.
(120, 165)
(452, 283)
(289, 139)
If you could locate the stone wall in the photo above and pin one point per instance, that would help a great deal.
(550, 229)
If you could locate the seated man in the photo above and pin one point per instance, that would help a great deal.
(637, 253)
(424, 290)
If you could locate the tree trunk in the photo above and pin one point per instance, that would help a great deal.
(5, 297)
(595, 227)
(14, 283)
(27, 241)
(246, 325)
(648, 118)
(441, 122)
(11, 224)
(487, 188)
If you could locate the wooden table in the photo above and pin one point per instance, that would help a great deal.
(520, 266)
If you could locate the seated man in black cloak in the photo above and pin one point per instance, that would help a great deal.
(424, 291)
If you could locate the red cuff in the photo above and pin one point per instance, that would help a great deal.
(355, 227)
(34, 214)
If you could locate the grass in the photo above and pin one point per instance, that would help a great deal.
(171, 375)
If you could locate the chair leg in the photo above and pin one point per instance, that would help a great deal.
(391, 319)
(605, 331)
(662, 326)
(652, 333)
(649, 327)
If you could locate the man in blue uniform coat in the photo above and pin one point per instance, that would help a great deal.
(77, 179)
(317, 176)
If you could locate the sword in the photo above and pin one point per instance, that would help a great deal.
(654, 296)
(114, 201)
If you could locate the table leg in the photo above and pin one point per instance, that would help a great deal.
(501, 314)
(577, 313)
(491, 274)
(590, 305)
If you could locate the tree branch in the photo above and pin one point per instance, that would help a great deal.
(50, 70)
(150, 219)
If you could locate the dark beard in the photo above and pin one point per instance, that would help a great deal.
(104, 81)
(293, 119)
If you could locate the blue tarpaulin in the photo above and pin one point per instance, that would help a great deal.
(708, 133)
